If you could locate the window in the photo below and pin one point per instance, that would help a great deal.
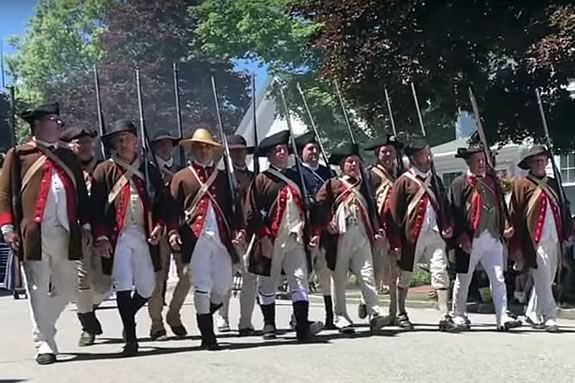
(449, 177)
(567, 167)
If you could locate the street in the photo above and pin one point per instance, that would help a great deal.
(423, 355)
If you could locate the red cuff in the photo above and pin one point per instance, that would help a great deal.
(101, 231)
(394, 240)
(6, 219)
(263, 232)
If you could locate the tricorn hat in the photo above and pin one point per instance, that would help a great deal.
(120, 126)
(390, 139)
(415, 145)
(162, 134)
(304, 139)
(343, 151)
(535, 150)
(32, 115)
(268, 143)
(202, 136)
(465, 153)
(235, 141)
(76, 132)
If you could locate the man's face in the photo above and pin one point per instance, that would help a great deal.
(422, 159)
(537, 164)
(476, 163)
(310, 154)
(350, 166)
(387, 156)
(48, 128)
(125, 144)
(163, 148)
(279, 156)
(238, 157)
(202, 153)
(84, 148)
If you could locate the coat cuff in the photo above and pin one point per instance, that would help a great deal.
(6, 219)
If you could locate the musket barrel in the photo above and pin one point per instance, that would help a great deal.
(419, 116)
(178, 112)
(344, 110)
(101, 128)
(255, 125)
(388, 101)
(313, 125)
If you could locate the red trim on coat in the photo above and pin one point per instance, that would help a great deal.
(45, 184)
(6, 219)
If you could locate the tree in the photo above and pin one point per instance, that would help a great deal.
(504, 49)
(150, 35)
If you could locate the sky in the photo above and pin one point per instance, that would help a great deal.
(14, 16)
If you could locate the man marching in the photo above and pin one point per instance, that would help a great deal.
(128, 224)
(163, 146)
(276, 215)
(94, 286)
(540, 231)
(43, 217)
(315, 175)
(238, 152)
(480, 229)
(203, 226)
(341, 206)
(419, 230)
(382, 176)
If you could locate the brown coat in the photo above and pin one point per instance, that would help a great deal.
(183, 190)
(405, 226)
(328, 199)
(23, 209)
(109, 218)
(528, 226)
(264, 212)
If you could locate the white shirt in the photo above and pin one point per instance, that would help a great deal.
(56, 210)
(430, 218)
(549, 232)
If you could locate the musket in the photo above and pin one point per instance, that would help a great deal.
(370, 193)
(13, 139)
(145, 142)
(227, 158)
(179, 113)
(488, 155)
(298, 164)
(565, 210)
(398, 153)
(313, 125)
(255, 118)
(101, 128)
(443, 212)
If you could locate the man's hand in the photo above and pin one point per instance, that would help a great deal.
(314, 242)
(568, 242)
(466, 246)
(447, 233)
(332, 228)
(155, 235)
(519, 265)
(267, 247)
(86, 237)
(239, 237)
(175, 241)
(380, 235)
(103, 248)
(13, 240)
(508, 232)
(395, 252)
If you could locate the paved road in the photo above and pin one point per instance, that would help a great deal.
(424, 355)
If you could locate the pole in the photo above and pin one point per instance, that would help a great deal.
(13, 138)
(344, 110)
(390, 112)
(227, 158)
(101, 128)
(179, 113)
(144, 138)
(255, 118)
(313, 125)
(2, 64)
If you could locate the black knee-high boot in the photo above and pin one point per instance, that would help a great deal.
(269, 314)
(328, 303)
(206, 326)
(301, 312)
(138, 302)
(127, 313)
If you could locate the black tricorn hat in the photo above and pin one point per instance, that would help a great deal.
(75, 132)
(415, 145)
(235, 141)
(465, 153)
(268, 143)
(123, 125)
(535, 150)
(304, 139)
(37, 113)
(162, 134)
(390, 139)
(342, 151)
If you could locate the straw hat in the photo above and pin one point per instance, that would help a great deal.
(202, 136)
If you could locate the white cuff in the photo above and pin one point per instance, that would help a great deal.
(87, 226)
(7, 229)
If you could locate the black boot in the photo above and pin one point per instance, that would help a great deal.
(304, 329)
(206, 326)
(138, 302)
(87, 338)
(269, 314)
(127, 313)
(329, 325)
(215, 307)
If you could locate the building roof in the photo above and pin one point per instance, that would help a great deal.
(449, 148)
